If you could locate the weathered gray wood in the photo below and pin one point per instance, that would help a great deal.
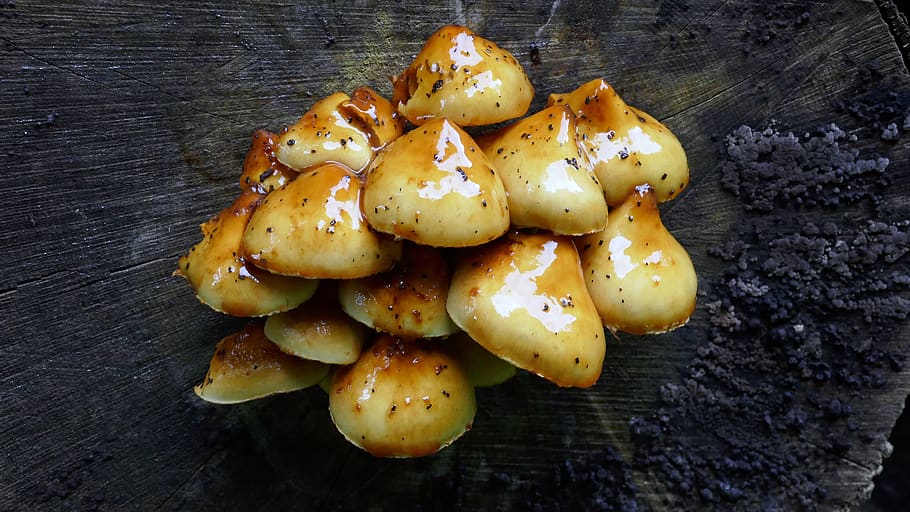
(123, 127)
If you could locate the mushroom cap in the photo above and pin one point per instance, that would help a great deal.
(246, 366)
(402, 399)
(434, 186)
(319, 331)
(324, 134)
(627, 146)
(523, 298)
(484, 368)
(225, 281)
(313, 227)
(641, 279)
(464, 77)
(262, 172)
(376, 116)
(409, 301)
(550, 183)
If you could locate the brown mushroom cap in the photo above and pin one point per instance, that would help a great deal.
(402, 399)
(409, 301)
(262, 172)
(225, 281)
(246, 366)
(641, 279)
(523, 298)
(627, 146)
(376, 115)
(464, 77)
(434, 186)
(313, 227)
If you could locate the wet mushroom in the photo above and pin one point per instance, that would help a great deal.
(402, 399)
(262, 172)
(326, 133)
(225, 281)
(627, 146)
(376, 115)
(523, 298)
(434, 186)
(549, 182)
(641, 279)
(247, 366)
(409, 301)
(313, 227)
(464, 77)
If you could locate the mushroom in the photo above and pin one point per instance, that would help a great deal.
(641, 279)
(409, 301)
(523, 298)
(262, 172)
(484, 369)
(225, 281)
(464, 77)
(627, 146)
(246, 366)
(402, 399)
(326, 133)
(376, 116)
(319, 331)
(313, 227)
(434, 186)
(549, 182)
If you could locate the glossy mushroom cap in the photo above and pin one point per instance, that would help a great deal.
(376, 116)
(641, 279)
(326, 133)
(549, 182)
(313, 227)
(262, 172)
(247, 366)
(402, 399)
(627, 146)
(523, 298)
(464, 77)
(434, 186)
(409, 301)
(225, 281)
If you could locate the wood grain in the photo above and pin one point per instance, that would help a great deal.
(124, 125)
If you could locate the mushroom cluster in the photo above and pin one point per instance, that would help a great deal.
(399, 262)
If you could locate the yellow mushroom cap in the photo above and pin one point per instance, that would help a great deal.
(313, 227)
(464, 77)
(550, 183)
(434, 186)
(319, 331)
(627, 146)
(246, 366)
(523, 298)
(641, 279)
(225, 281)
(402, 399)
(409, 301)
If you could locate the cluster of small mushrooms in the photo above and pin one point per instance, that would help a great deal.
(442, 261)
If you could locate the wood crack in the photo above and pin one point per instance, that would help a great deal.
(46, 62)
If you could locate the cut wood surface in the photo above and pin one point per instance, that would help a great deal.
(124, 126)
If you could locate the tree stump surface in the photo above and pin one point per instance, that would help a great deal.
(124, 127)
